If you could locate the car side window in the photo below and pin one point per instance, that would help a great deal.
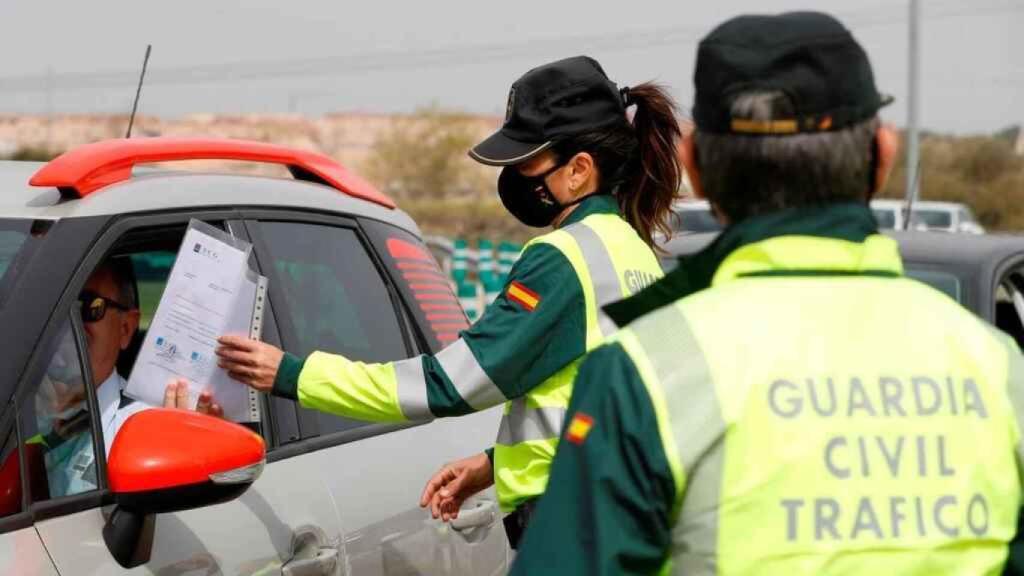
(56, 426)
(334, 299)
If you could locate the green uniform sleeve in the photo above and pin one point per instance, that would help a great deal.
(286, 382)
(518, 347)
(530, 332)
(609, 502)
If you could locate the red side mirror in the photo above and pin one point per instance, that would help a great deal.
(166, 460)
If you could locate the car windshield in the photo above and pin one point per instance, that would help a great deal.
(933, 218)
(696, 221)
(886, 218)
(18, 241)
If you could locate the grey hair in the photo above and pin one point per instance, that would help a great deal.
(749, 175)
(123, 272)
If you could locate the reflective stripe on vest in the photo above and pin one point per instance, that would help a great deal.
(862, 424)
(603, 250)
(523, 424)
(608, 285)
(675, 373)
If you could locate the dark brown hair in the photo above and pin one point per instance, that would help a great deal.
(637, 161)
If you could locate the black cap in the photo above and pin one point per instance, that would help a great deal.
(548, 104)
(809, 56)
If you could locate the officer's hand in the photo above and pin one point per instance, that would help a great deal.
(176, 396)
(249, 361)
(454, 483)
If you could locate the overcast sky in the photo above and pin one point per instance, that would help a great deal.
(318, 56)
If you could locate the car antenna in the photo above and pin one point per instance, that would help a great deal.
(138, 91)
(908, 203)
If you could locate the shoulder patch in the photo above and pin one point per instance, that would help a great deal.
(579, 428)
(523, 296)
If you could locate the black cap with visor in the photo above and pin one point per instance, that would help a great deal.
(550, 103)
(808, 56)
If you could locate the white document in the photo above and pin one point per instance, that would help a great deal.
(211, 291)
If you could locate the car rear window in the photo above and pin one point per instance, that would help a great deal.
(19, 239)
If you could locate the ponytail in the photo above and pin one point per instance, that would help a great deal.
(637, 161)
(652, 183)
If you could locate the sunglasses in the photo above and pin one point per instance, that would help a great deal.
(94, 307)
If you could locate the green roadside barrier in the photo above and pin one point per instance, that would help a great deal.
(469, 298)
(480, 276)
(490, 280)
(460, 260)
(508, 253)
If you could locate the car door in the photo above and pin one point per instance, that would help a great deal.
(330, 294)
(285, 519)
(21, 551)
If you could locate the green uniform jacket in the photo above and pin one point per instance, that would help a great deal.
(663, 457)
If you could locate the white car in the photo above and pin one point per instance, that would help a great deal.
(926, 215)
(297, 492)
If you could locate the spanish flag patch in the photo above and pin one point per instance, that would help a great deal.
(579, 428)
(523, 296)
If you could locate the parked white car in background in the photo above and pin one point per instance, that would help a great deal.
(695, 217)
(933, 216)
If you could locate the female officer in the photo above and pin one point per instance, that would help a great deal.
(573, 161)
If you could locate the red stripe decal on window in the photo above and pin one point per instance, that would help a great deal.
(416, 266)
(436, 296)
(433, 287)
(424, 275)
(456, 326)
(442, 316)
(402, 249)
(429, 306)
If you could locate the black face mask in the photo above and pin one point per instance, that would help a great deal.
(528, 198)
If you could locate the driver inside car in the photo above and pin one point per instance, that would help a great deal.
(110, 317)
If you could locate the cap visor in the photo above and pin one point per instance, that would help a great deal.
(500, 150)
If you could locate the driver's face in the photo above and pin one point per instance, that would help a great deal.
(109, 335)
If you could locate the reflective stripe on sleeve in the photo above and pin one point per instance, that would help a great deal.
(522, 424)
(412, 389)
(607, 285)
(468, 377)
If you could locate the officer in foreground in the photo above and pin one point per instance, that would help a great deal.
(787, 402)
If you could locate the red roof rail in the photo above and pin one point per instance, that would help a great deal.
(86, 169)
